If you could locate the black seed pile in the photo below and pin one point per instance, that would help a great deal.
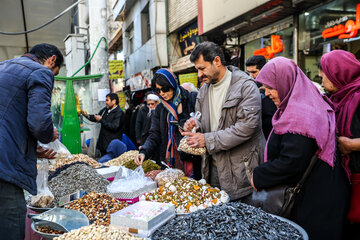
(233, 220)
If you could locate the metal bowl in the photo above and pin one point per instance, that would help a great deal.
(300, 229)
(37, 209)
(34, 226)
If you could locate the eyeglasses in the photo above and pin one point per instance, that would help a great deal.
(151, 104)
(163, 89)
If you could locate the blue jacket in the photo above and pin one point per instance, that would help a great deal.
(25, 117)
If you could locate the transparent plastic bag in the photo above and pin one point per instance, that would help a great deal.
(44, 197)
(127, 180)
(184, 147)
(61, 151)
(168, 175)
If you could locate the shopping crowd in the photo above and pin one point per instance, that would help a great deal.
(261, 129)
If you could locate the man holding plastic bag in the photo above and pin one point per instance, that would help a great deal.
(230, 124)
(25, 117)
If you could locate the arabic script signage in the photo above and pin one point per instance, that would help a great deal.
(275, 47)
(188, 38)
(349, 30)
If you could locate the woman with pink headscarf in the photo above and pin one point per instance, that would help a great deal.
(303, 125)
(341, 79)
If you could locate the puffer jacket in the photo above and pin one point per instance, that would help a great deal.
(25, 117)
(239, 141)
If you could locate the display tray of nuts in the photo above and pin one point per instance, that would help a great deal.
(47, 230)
(188, 195)
(77, 158)
(97, 207)
(123, 158)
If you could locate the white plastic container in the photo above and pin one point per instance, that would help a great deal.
(143, 217)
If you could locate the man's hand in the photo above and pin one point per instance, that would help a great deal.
(195, 140)
(189, 125)
(45, 153)
(56, 135)
(346, 145)
(139, 159)
(97, 117)
(83, 112)
(252, 183)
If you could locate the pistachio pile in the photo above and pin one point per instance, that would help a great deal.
(97, 232)
(77, 158)
(123, 158)
(188, 195)
(183, 146)
(97, 207)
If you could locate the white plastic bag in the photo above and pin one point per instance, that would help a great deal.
(168, 175)
(44, 197)
(184, 147)
(127, 180)
(60, 149)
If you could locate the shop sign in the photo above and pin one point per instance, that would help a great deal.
(116, 69)
(188, 38)
(189, 77)
(140, 80)
(122, 100)
(181, 64)
(349, 30)
(275, 47)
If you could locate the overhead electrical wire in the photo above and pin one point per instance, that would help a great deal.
(45, 24)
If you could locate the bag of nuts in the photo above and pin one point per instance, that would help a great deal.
(44, 196)
(184, 147)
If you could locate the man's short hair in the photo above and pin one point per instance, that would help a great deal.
(113, 96)
(209, 51)
(258, 60)
(44, 50)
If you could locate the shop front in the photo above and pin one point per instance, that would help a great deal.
(271, 41)
(328, 27)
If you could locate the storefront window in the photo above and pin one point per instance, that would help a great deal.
(312, 44)
(286, 37)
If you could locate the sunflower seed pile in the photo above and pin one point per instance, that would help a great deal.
(233, 220)
(74, 178)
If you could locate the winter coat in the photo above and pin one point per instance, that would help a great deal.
(112, 125)
(25, 117)
(239, 140)
(142, 120)
(158, 135)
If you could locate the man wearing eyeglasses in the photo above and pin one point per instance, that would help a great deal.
(253, 66)
(230, 130)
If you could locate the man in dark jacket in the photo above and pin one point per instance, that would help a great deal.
(253, 66)
(26, 84)
(111, 118)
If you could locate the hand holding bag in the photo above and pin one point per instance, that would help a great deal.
(279, 200)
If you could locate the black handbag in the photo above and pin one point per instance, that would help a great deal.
(279, 200)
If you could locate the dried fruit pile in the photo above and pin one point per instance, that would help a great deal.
(188, 195)
(97, 232)
(97, 207)
(233, 220)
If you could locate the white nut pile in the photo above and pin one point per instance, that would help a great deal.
(78, 158)
(183, 146)
(97, 232)
(123, 158)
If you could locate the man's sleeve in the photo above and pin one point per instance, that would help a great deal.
(248, 122)
(39, 117)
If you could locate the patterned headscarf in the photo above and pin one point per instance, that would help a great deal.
(171, 107)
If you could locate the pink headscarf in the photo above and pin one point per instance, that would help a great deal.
(343, 70)
(303, 109)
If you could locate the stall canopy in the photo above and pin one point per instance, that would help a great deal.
(18, 15)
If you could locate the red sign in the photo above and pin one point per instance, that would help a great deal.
(349, 30)
(275, 47)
